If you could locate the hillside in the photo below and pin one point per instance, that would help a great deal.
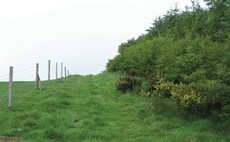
(89, 109)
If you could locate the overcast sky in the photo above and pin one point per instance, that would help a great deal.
(83, 34)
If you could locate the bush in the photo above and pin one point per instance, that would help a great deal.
(188, 61)
(127, 83)
(151, 81)
(203, 98)
(186, 97)
(216, 97)
(133, 72)
(163, 89)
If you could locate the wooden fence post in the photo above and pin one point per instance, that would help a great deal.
(49, 70)
(56, 70)
(10, 89)
(38, 81)
(65, 71)
(61, 70)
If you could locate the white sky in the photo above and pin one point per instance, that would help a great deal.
(83, 34)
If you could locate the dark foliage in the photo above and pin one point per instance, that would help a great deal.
(127, 83)
(187, 50)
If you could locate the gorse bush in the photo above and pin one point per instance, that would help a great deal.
(184, 56)
(198, 98)
(127, 83)
(185, 96)
(133, 72)
(163, 89)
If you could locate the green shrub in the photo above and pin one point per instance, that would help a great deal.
(188, 98)
(185, 96)
(127, 83)
(133, 72)
(208, 97)
(187, 55)
(163, 89)
(151, 81)
(216, 97)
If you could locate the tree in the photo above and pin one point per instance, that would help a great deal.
(218, 19)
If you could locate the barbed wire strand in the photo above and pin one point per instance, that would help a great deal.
(20, 94)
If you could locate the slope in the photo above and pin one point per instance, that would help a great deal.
(89, 109)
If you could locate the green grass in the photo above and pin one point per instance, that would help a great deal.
(89, 109)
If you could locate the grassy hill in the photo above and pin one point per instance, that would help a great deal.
(89, 109)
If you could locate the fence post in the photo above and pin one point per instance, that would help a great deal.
(56, 70)
(65, 71)
(61, 70)
(10, 89)
(49, 70)
(38, 81)
(68, 73)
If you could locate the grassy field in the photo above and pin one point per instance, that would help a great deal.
(89, 109)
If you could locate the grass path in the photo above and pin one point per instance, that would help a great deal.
(89, 109)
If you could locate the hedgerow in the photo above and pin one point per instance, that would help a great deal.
(185, 56)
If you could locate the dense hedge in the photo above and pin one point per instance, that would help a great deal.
(185, 56)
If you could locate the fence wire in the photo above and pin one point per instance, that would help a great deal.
(23, 85)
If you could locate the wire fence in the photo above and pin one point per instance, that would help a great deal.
(24, 83)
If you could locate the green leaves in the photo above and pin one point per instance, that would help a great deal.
(185, 47)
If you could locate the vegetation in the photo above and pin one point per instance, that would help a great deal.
(184, 56)
(181, 74)
(127, 83)
(90, 109)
